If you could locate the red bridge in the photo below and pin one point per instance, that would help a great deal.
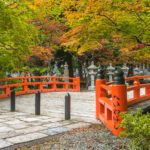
(28, 85)
(111, 100)
(111, 97)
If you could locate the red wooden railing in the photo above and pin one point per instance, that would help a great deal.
(111, 100)
(27, 85)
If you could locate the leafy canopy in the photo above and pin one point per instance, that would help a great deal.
(17, 35)
(94, 24)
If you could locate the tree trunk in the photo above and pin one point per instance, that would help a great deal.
(70, 64)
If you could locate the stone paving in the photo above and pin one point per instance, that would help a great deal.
(18, 127)
(23, 126)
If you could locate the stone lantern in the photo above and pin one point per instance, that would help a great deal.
(145, 69)
(141, 72)
(66, 70)
(125, 69)
(92, 70)
(56, 71)
(110, 70)
(76, 73)
(136, 71)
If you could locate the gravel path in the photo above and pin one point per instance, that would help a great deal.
(95, 137)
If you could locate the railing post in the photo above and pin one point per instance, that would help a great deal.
(37, 103)
(12, 101)
(7, 91)
(137, 89)
(40, 87)
(65, 86)
(67, 106)
(77, 84)
(147, 91)
(54, 86)
(25, 87)
(119, 100)
(74, 84)
(99, 91)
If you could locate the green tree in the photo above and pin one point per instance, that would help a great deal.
(17, 35)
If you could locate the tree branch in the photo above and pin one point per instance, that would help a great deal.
(140, 41)
(113, 22)
(135, 37)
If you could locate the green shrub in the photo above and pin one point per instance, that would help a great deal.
(137, 129)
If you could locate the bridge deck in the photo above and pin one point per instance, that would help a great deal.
(52, 104)
(137, 106)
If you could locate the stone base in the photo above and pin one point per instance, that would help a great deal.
(91, 88)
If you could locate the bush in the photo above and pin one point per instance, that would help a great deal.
(137, 129)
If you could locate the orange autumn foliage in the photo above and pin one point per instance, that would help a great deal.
(43, 53)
